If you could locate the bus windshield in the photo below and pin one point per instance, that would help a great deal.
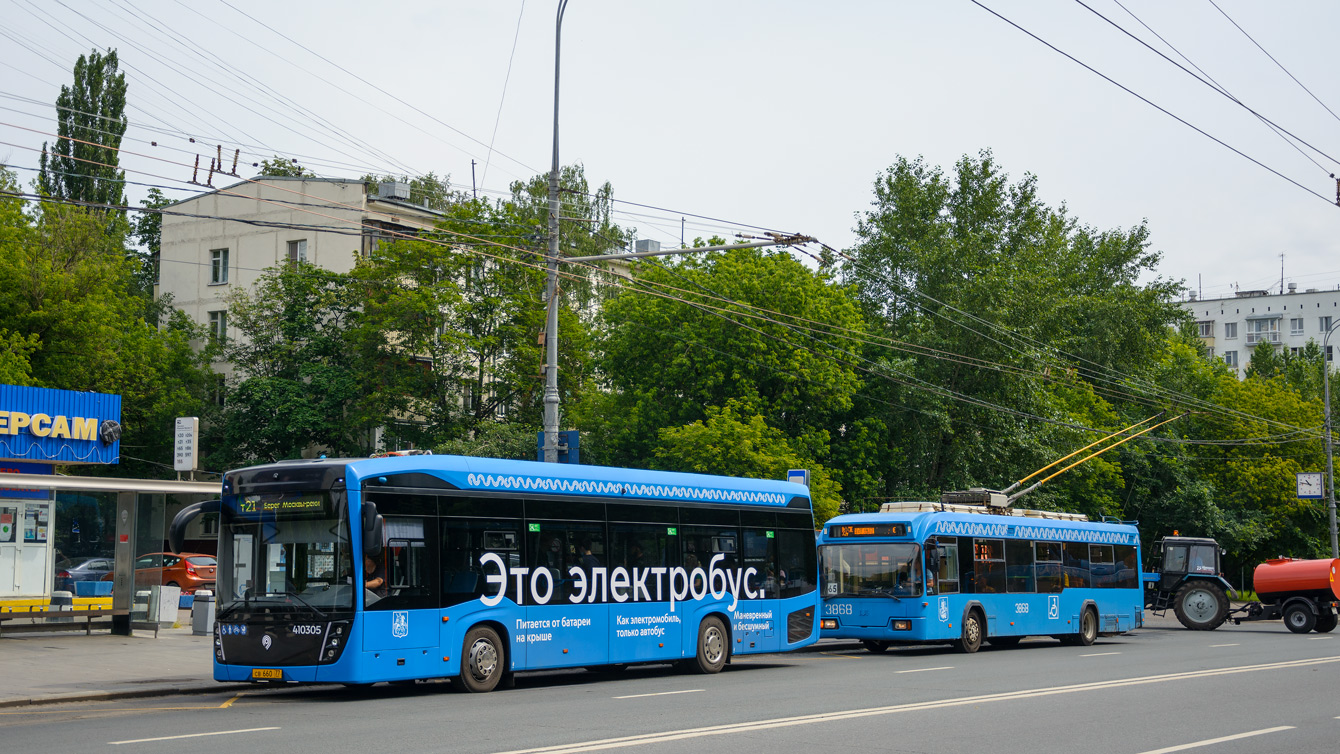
(287, 550)
(871, 570)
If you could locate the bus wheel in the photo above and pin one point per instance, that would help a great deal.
(712, 644)
(1088, 629)
(971, 640)
(481, 660)
(1326, 623)
(876, 647)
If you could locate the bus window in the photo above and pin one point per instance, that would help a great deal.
(988, 556)
(701, 544)
(409, 564)
(637, 546)
(1101, 567)
(1019, 566)
(760, 553)
(463, 542)
(1128, 574)
(797, 567)
(1076, 565)
(563, 545)
(1049, 569)
(948, 575)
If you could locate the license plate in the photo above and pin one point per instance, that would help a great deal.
(268, 673)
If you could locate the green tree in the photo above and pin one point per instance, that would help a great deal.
(147, 229)
(733, 443)
(669, 357)
(70, 319)
(90, 121)
(283, 166)
(1000, 307)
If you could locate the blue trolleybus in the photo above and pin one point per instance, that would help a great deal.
(391, 569)
(964, 574)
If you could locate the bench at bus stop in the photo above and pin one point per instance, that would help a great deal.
(45, 619)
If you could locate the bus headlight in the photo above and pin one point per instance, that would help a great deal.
(902, 625)
(828, 623)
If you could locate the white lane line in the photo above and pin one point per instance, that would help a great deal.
(1101, 654)
(924, 670)
(190, 735)
(1213, 646)
(659, 693)
(840, 715)
(1319, 638)
(1212, 741)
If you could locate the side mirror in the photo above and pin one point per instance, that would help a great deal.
(373, 530)
(932, 557)
(177, 530)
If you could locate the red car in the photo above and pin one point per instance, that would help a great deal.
(188, 570)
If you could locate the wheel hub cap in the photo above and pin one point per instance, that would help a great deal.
(483, 660)
(713, 646)
(1201, 605)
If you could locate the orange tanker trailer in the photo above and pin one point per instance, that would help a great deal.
(1304, 593)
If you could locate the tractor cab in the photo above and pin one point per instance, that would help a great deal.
(1176, 559)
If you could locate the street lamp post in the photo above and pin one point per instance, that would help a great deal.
(1330, 451)
(551, 285)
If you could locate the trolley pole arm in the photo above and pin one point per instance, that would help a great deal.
(1023, 492)
(1100, 441)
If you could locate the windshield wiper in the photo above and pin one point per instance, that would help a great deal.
(307, 604)
(885, 592)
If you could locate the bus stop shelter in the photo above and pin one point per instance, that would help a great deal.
(141, 515)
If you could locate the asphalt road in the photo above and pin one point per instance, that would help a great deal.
(1250, 688)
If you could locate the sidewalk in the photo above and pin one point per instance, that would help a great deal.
(41, 668)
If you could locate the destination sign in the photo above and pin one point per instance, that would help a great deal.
(253, 504)
(867, 530)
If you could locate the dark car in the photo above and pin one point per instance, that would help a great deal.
(188, 570)
(70, 570)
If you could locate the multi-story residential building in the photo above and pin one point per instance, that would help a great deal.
(1233, 327)
(226, 238)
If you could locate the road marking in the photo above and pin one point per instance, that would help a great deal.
(923, 670)
(845, 657)
(190, 735)
(229, 703)
(1319, 638)
(1101, 654)
(1211, 741)
(103, 709)
(1212, 646)
(827, 717)
(659, 693)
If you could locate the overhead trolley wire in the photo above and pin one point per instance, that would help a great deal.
(1152, 104)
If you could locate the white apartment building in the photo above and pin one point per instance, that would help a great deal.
(227, 237)
(1232, 327)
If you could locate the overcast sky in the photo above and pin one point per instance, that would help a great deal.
(777, 114)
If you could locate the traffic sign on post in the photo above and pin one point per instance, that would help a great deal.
(185, 444)
(799, 476)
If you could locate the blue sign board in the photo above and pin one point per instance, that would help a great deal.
(567, 447)
(59, 426)
(18, 467)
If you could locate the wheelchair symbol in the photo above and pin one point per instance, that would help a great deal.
(1053, 607)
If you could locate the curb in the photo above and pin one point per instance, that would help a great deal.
(98, 696)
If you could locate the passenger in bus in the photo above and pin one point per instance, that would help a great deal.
(553, 557)
(588, 559)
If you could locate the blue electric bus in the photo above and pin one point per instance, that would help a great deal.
(391, 569)
(962, 574)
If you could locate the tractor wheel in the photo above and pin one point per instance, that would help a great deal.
(1004, 641)
(1201, 605)
(1326, 623)
(875, 647)
(1299, 618)
(971, 640)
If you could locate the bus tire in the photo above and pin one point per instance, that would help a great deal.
(1299, 618)
(971, 639)
(1326, 623)
(1088, 629)
(875, 647)
(1201, 605)
(1004, 641)
(713, 643)
(483, 660)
